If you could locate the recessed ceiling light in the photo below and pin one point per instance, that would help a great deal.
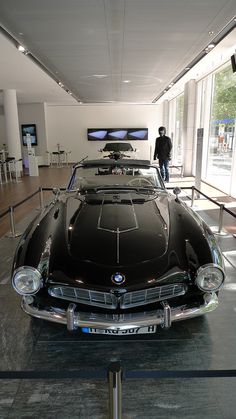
(61, 84)
(21, 48)
(209, 48)
(126, 81)
(100, 76)
(210, 32)
(187, 68)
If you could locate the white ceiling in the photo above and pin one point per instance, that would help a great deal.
(94, 46)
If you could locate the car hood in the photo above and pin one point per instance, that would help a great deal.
(123, 229)
(84, 240)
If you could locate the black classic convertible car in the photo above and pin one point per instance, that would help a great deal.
(117, 253)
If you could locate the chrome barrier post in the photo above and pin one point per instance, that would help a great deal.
(221, 218)
(193, 196)
(41, 200)
(218, 229)
(115, 390)
(13, 233)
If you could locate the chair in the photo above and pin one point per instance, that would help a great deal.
(11, 167)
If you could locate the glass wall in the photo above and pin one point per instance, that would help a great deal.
(178, 134)
(222, 129)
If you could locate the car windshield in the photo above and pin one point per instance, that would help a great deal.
(118, 147)
(118, 176)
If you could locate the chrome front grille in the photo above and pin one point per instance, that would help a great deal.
(83, 296)
(152, 295)
(112, 301)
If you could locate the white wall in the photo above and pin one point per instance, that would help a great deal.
(67, 125)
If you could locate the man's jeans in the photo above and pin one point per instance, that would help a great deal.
(164, 169)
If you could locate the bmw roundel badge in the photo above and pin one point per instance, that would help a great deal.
(118, 278)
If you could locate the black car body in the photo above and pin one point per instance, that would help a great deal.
(116, 253)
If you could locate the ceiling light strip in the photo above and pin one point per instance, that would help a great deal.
(36, 61)
(217, 39)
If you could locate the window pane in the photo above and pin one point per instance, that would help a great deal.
(222, 129)
(178, 142)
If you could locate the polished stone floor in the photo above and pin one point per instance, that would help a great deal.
(203, 343)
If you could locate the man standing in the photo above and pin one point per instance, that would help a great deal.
(162, 152)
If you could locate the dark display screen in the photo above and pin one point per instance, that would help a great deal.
(117, 134)
(29, 129)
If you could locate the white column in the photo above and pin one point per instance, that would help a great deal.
(165, 117)
(189, 125)
(171, 128)
(12, 123)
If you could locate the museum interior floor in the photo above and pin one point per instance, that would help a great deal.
(205, 343)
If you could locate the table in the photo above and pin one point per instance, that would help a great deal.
(59, 158)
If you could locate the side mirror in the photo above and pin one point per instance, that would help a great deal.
(176, 191)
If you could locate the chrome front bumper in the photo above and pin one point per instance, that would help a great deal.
(74, 319)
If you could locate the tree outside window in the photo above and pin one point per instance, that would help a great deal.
(222, 127)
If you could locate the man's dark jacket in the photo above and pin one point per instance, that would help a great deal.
(163, 148)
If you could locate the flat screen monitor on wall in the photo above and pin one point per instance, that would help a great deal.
(117, 134)
(29, 129)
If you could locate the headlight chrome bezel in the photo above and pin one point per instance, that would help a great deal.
(215, 268)
(30, 270)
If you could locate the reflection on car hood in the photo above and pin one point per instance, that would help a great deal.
(146, 237)
(118, 228)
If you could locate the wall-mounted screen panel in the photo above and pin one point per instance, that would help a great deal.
(29, 129)
(97, 134)
(138, 134)
(117, 134)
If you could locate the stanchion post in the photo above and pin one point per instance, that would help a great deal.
(13, 233)
(115, 390)
(221, 218)
(193, 196)
(12, 223)
(41, 198)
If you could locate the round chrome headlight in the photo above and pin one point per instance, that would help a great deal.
(210, 278)
(26, 280)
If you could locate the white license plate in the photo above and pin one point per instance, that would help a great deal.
(131, 331)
